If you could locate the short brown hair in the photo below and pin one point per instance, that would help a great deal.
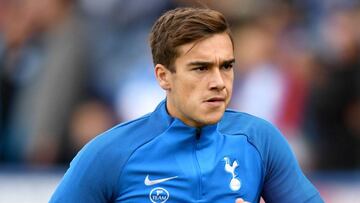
(181, 26)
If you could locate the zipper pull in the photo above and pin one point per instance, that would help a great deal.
(198, 133)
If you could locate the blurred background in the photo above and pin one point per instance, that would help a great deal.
(70, 69)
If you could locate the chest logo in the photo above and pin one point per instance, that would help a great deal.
(159, 195)
(235, 183)
(149, 182)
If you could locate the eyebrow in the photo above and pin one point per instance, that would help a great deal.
(206, 63)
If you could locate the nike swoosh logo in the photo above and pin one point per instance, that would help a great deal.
(149, 182)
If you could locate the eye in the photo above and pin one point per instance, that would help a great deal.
(201, 68)
(228, 66)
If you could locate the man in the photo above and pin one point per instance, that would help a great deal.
(188, 149)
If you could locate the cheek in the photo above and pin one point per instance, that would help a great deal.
(189, 97)
(187, 89)
(230, 81)
(229, 87)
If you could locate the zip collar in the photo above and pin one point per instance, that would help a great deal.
(204, 135)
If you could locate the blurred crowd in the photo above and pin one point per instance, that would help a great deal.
(70, 69)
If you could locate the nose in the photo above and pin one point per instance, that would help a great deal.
(217, 80)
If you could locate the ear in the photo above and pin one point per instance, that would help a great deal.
(163, 76)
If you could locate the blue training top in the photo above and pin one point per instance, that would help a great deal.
(158, 158)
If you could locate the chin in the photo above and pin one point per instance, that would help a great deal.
(212, 122)
(212, 119)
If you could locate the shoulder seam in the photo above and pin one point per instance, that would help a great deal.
(117, 189)
(256, 148)
(247, 138)
(132, 153)
(132, 121)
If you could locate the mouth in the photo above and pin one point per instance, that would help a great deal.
(215, 101)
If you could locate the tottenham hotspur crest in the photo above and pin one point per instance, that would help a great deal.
(235, 183)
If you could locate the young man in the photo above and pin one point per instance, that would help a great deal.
(190, 149)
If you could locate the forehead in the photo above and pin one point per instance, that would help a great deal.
(217, 47)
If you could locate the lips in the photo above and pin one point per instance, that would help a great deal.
(215, 102)
(216, 99)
